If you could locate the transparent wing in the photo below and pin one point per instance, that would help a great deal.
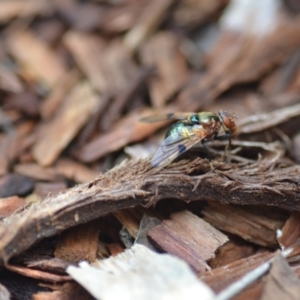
(172, 147)
(165, 117)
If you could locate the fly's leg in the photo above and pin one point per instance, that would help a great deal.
(226, 136)
(208, 155)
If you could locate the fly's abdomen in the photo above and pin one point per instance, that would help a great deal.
(179, 129)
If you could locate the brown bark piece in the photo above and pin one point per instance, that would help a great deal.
(147, 22)
(86, 49)
(53, 101)
(41, 62)
(78, 243)
(24, 8)
(37, 274)
(37, 172)
(9, 205)
(75, 171)
(15, 184)
(53, 265)
(127, 130)
(63, 168)
(133, 183)
(76, 111)
(282, 282)
(189, 238)
(162, 54)
(114, 249)
(9, 80)
(221, 277)
(250, 224)
(247, 58)
(45, 189)
(69, 291)
(121, 18)
(194, 13)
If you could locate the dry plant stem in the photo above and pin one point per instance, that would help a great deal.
(136, 183)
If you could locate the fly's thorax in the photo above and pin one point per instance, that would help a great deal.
(207, 117)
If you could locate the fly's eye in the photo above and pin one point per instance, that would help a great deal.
(194, 119)
(227, 120)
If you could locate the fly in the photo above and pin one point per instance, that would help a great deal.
(190, 129)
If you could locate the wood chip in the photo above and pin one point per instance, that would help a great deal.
(37, 172)
(253, 225)
(146, 23)
(68, 248)
(128, 130)
(15, 184)
(23, 8)
(74, 171)
(290, 234)
(45, 189)
(220, 278)
(69, 291)
(39, 59)
(231, 252)
(282, 282)
(9, 205)
(189, 238)
(40, 275)
(68, 121)
(162, 54)
(57, 95)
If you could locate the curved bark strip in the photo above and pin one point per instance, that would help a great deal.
(136, 183)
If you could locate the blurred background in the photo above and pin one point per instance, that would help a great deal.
(77, 76)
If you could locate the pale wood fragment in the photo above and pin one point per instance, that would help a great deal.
(140, 273)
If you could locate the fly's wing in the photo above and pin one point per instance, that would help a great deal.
(172, 147)
(165, 117)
